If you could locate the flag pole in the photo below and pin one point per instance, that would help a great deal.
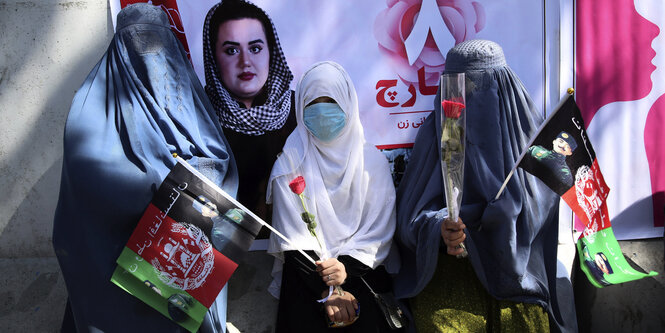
(228, 197)
(570, 91)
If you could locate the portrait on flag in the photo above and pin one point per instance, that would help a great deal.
(562, 156)
(552, 156)
(570, 168)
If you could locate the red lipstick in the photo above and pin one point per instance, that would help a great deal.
(246, 76)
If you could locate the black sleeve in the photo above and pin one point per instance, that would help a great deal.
(354, 268)
(296, 263)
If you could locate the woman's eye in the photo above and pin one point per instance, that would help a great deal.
(255, 49)
(231, 51)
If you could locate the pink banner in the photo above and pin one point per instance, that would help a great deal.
(620, 94)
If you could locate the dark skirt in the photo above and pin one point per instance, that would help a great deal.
(298, 310)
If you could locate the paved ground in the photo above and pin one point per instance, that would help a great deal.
(32, 296)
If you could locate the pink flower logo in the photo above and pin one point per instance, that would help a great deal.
(463, 18)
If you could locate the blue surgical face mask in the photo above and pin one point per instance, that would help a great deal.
(324, 120)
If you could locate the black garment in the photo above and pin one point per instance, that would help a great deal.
(298, 310)
(255, 156)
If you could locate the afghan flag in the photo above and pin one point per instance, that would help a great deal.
(562, 157)
(185, 247)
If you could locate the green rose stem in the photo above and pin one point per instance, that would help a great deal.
(297, 186)
(308, 218)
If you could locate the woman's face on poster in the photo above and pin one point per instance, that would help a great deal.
(243, 58)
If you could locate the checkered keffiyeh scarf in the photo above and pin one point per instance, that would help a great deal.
(260, 118)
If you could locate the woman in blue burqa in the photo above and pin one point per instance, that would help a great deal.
(140, 104)
(508, 282)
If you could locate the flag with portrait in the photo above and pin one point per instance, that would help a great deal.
(562, 157)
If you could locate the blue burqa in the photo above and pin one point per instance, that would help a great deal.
(512, 241)
(140, 104)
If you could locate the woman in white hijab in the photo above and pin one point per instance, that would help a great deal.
(349, 191)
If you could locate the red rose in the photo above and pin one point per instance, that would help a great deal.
(452, 109)
(297, 185)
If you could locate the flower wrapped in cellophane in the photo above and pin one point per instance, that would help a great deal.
(453, 125)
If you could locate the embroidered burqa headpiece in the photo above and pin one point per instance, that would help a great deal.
(348, 183)
(139, 104)
(273, 112)
(512, 241)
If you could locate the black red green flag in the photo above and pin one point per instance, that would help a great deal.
(562, 157)
(185, 247)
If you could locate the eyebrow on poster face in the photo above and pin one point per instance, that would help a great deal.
(256, 41)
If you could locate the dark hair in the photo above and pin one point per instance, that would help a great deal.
(238, 9)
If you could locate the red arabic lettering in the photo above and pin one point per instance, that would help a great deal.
(381, 94)
(422, 84)
(412, 100)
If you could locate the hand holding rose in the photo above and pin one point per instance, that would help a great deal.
(453, 235)
(332, 271)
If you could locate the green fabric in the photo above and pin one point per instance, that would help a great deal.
(603, 262)
(456, 301)
(132, 274)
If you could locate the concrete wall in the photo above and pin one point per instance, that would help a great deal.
(47, 47)
(636, 306)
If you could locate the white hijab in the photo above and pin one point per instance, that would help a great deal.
(348, 183)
